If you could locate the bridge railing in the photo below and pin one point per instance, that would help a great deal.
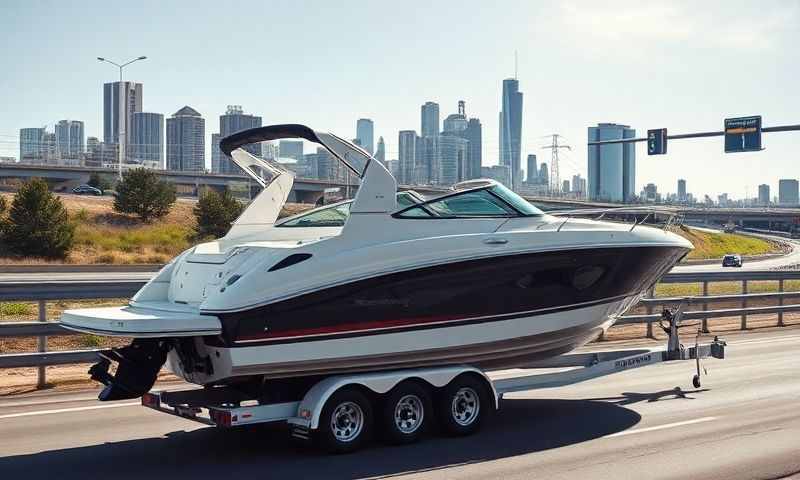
(697, 307)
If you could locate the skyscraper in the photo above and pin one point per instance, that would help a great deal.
(452, 162)
(216, 153)
(612, 168)
(788, 192)
(430, 119)
(578, 185)
(681, 190)
(291, 149)
(380, 153)
(565, 186)
(407, 150)
(147, 139)
(456, 123)
(365, 131)
(235, 120)
(31, 145)
(120, 101)
(544, 176)
(532, 170)
(763, 194)
(474, 134)
(511, 130)
(186, 134)
(69, 140)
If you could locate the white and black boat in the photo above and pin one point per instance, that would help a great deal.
(388, 280)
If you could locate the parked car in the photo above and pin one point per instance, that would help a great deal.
(86, 190)
(732, 260)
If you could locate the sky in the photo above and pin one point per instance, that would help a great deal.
(684, 66)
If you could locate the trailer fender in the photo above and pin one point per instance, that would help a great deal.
(310, 408)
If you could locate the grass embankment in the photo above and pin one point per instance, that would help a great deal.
(708, 245)
(103, 236)
(723, 288)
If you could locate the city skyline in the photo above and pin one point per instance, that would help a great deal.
(695, 75)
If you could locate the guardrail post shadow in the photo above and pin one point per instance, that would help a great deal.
(41, 379)
(650, 294)
(743, 325)
(704, 325)
(780, 303)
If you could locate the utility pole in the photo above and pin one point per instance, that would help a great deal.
(554, 147)
(121, 143)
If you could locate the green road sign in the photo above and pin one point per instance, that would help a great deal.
(657, 141)
(743, 134)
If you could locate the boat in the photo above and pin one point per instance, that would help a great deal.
(475, 275)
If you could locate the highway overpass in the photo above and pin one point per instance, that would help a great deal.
(305, 190)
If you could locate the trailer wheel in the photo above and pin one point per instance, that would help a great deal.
(462, 405)
(406, 413)
(345, 424)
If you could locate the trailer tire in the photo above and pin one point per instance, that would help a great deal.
(345, 423)
(406, 413)
(462, 405)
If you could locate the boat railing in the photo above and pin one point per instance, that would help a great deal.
(663, 217)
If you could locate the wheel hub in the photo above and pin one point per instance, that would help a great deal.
(409, 414)
(465, 406)
(347, 421)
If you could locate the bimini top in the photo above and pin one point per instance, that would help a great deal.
(376, 192)
(352, 157)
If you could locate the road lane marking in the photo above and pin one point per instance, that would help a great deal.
(756, 341)
(46, 402)
(661, 427)
(67, 410)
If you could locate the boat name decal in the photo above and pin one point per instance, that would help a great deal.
(632, 362)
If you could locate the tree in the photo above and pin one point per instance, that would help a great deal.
(38, 223)
(98, 181)
(215, 213)
(141, 193)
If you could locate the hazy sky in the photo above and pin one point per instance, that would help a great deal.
(680, 65)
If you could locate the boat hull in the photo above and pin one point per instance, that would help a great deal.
(497, 312)
(491, 345)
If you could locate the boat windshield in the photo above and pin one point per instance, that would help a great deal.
(493, 200)
(336, 215)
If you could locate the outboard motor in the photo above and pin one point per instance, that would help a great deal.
(137, 368)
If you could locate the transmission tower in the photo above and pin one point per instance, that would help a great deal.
(554, 147)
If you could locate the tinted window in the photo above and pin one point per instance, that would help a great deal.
(476, 203)
(327, 217)
(515, 200)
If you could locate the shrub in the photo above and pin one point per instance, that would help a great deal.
(141, 193)
(38, 223)
(215, 213)
(3, 204)
(15, 309)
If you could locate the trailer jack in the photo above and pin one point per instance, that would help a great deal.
(670, 323)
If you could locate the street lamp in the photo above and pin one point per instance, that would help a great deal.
(121, 141)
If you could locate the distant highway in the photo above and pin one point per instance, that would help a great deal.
(650, 423)
(780, 262)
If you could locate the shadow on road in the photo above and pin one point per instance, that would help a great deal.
(522, 426)
(628, 398)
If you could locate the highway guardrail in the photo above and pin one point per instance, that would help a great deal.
(42, 292)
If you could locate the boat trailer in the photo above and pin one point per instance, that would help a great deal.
(228, 407)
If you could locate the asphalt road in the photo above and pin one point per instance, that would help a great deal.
(648, 423)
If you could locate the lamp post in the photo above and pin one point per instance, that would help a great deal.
(122, 121)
